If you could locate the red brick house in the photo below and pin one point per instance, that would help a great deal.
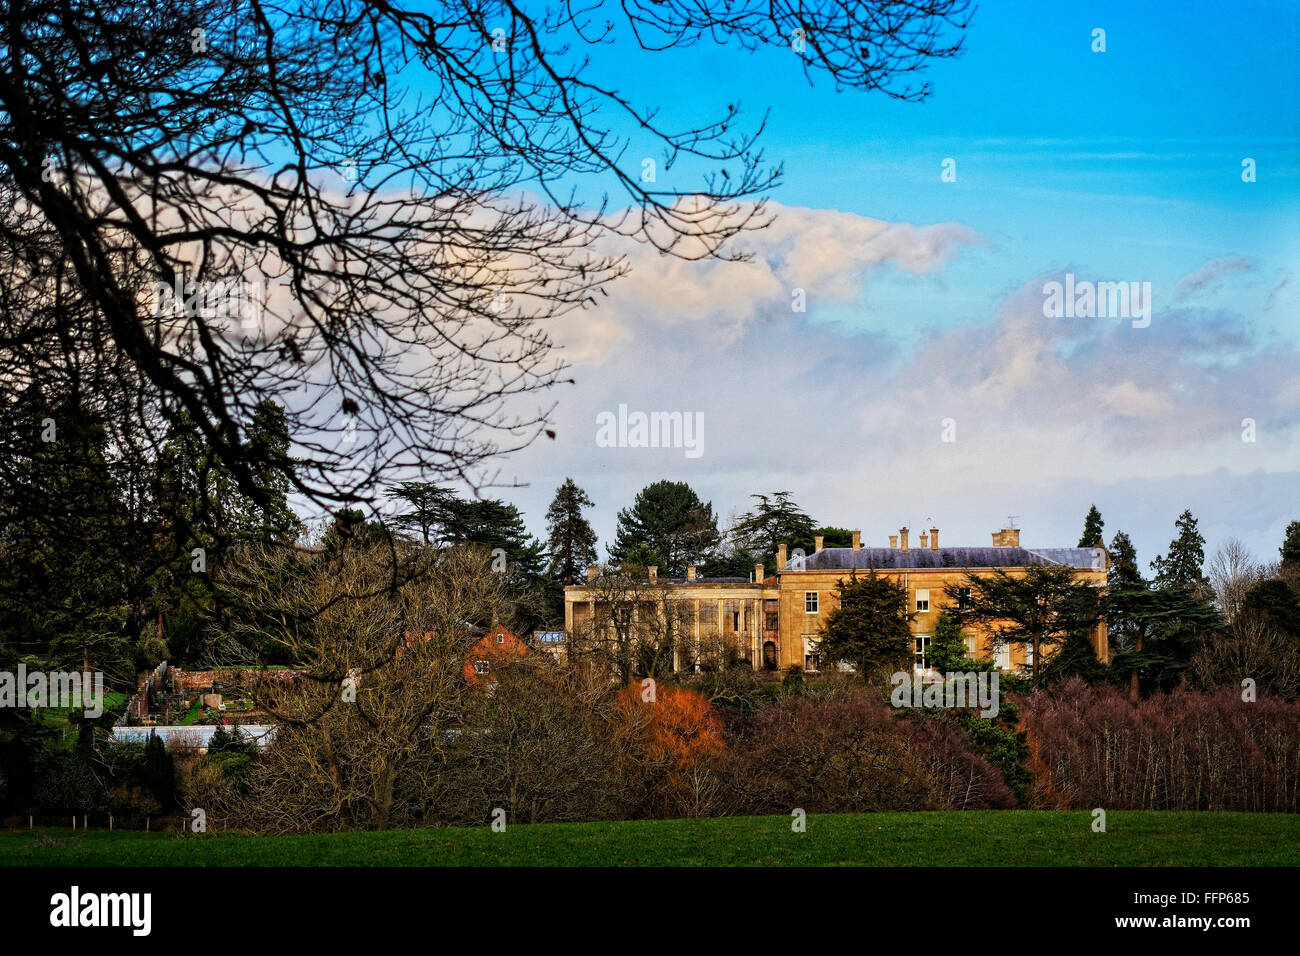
(497, 648)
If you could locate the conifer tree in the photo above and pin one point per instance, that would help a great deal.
(572, 543)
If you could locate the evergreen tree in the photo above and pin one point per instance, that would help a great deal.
(870, 628)
(572, 540)
(1123, 576)
(157, 773)
(1168, 626)
(667, 521)
(1092, 529)
(834, 537)
(1037, 610)
(499, 527)
(1123, 563)
(948, 646)
(1290, 550)
(66, 542)
(1181, 567)
(1274, 602)
(775, 520)
(270, 519)
(1076, 658)
(429, 509)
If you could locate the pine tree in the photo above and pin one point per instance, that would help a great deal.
(668, 522)
(1181, 568)
(1092, 529)
(572, 542)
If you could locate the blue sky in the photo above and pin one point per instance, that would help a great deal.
(924, 296)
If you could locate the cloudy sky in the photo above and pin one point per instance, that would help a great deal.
(924, 298)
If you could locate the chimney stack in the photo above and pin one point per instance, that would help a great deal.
(690, 572)
(934, 539)
(654, 572)
(592, 571)
(1006, 538)
(902, 538)
(817, 543)
(925, 541)
(758, 574)
(857, 540)
(893, 542)
(780, 558)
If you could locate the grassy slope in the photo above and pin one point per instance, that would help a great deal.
(888, 839)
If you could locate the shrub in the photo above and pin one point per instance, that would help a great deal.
(1182, 750)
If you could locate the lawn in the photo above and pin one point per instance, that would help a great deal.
(987, 838)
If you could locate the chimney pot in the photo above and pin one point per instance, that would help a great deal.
(857, 540)
(817, 543)
(690, 572)
(934, 539)
(902, 538)
(654, 572)
(925, 541)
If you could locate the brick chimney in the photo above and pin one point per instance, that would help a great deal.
(857, 540)
(934, 539)
(902, 539)
(817, 543)
(654, 572)
(758, 574)
(893, 541)
(781, 557)
(690, 572)
(592, 571)
(925, 541)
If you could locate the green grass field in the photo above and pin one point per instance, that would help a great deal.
(1006, 838)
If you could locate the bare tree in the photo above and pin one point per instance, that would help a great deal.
(637, 628)
(1250, 647)
(1232, 572)
(383, 686)
(366, 212)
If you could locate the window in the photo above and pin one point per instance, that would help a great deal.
(769, 621)
(810, 602)
(1002, 657)
(811, 659)
(480, 667)
(922, 651)
(963, 599)
(735, 621)
(501, 638)
(922, 600)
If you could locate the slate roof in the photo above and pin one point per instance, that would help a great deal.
(844, 559)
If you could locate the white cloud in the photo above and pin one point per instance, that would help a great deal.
(1050, 413)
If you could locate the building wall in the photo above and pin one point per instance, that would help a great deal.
(796, 627)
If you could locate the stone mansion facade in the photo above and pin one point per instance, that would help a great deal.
(773, 620)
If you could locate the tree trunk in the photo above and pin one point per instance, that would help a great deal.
(1133, 694)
